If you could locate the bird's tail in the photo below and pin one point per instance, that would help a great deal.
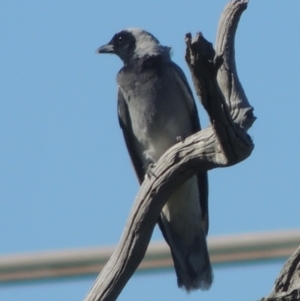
(194, 269)
(192, 262)
(183, 228)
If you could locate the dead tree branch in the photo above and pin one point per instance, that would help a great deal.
(287, 285)
(224, 143)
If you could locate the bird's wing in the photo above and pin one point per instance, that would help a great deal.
(202, 176)
(125, 125)
(188, 95)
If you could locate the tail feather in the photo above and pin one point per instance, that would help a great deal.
(194, 269)
(181, 222)
(191, 262)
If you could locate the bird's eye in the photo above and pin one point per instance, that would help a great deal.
(120, 39)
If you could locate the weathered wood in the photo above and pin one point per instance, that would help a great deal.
(287, 285)
(217, 83)
(223, 144)
(227, 77)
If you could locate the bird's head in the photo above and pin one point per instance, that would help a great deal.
(134, 43)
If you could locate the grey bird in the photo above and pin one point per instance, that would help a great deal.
(155, 107)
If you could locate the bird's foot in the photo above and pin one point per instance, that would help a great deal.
(150, 172)
(180, 139)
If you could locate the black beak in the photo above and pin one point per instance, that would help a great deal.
(108, 48)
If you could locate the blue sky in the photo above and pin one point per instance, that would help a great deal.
(66, 178)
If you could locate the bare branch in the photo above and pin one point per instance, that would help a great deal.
(287, 285)
(222, 144)
(236, 99)
(216, 82)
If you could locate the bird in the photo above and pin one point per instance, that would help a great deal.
(156, 108)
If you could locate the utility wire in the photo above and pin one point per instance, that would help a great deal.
(227, 249)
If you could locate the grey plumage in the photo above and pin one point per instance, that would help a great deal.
(155, 107)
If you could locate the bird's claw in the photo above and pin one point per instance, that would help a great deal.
(179, 139)
(150, 172)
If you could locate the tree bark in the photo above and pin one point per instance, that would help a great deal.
(287, 285)
(224, 143)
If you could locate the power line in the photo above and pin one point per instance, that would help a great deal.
(227, 249)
